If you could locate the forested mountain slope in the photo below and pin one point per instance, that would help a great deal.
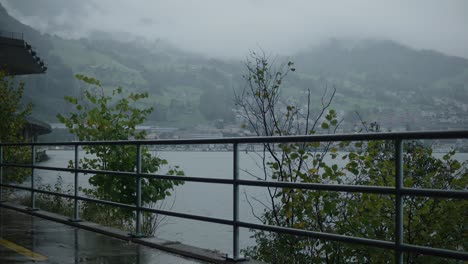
(381, 79)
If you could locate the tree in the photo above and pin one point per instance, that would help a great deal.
(425, 219)
(365, 163)
(100, 117)
(13, 114)
(267, 114)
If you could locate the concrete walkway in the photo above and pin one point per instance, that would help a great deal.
(30, 239)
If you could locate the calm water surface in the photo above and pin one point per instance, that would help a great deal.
(214, 200)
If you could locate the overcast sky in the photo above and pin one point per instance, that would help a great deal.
(224, 28)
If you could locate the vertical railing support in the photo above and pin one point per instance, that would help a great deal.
(235, 202)
(235, 205)
(33, 163)
(138, 193)
(76, 215)
(399, 224)
(1, 173)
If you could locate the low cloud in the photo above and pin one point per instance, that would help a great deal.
(230, 28)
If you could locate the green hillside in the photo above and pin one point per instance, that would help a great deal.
(383, 80)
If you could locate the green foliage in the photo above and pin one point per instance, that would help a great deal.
(427, 222)
(98, 117)
(13, 120)
(12, 113)
(352, 214)
(425, 219)
(53, 203)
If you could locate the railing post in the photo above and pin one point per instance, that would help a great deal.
(1, 173)
(33, 163)
(235, 206)
(399, 224)
(138, 193)
(235, 203)
(76, 215)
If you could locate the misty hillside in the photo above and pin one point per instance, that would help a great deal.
(383, 65)
(57, 83)
(384, 75)
(176, 80)
(383, 80)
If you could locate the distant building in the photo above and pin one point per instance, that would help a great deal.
(35, 128)
(17, 57)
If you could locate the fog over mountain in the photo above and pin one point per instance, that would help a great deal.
(398, 69)
(231, 28)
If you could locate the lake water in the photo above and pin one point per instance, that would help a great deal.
(214, 200)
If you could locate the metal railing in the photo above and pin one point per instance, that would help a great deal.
(399, 191)
(12, 35)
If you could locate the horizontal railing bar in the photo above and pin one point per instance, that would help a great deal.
(359, 188)
(320, 235)
(435, 193)
(292, 231)
(64, 195)
(189, 216)
(321, 186)
(29, 166)
(294, 185)
(121, 173)
(117, 173)
(452, 254)
(277, 139)
(121, 205)
(132, 207)
(383, 190)
(335, 237)
(187, 178)
(363, 241)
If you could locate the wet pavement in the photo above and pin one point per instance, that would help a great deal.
(30, 239)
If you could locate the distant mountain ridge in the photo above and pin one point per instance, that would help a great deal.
(382, 56)
(381, 79)
(46, 91)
